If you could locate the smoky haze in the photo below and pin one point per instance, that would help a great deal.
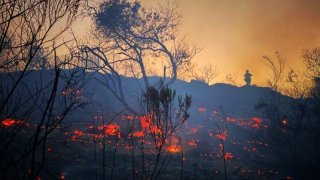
(235, 34)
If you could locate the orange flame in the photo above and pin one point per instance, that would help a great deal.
(222, 136)
(256, 120)
(138, 134)
(155, 130)
(228, 156)
(10, 122)
(174, 149)
(112, 129)
(76, 134)
(145, 121)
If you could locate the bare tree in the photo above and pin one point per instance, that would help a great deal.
(311, 57)
(277, 68)
(297, 85)
(232, 78)
(29, 31)
(206, 73)
(127, 32)
(163, 121)
(27, 26)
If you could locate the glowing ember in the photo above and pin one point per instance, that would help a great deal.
(128, 117)
(284, 122)
(138, 134)
(10, 122)
(194, 130)
(101, 127)
(62, 176)
(145, 121)
(112, 129)
(192, 143)
(228, 156)
(202, 109)
(67, 92)
(155, 130)
(229, 119)
(219, 153)
(174, 149)
(256, 120)
(78, 133)
(255, 125)
(222, 136)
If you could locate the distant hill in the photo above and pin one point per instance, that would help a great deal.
(235, 101)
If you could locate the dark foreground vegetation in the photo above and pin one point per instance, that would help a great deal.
(223, 134)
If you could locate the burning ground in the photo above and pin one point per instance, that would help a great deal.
(226, 135)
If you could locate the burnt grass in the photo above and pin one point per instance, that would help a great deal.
(261, 146)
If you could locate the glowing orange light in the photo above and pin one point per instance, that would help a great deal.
(155, 130)
(78, 133)
(256, 120)
(284, 122)
(62, 177)
(255, 125)
(219, 153)
(128, 117)
(192, 143)
(202, 109)
(112, 129)
(138, 134)
(229, 119)
(145, 121)
(222, 136)
(10, 122)
(101, 127)
(228, 156)
(194, 130)
(174, 149)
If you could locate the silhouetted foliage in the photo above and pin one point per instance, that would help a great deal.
(129, 35)
(166, 122)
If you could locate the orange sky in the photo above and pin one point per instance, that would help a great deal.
(234, 34)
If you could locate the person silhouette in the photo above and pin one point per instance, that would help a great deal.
(247, 78)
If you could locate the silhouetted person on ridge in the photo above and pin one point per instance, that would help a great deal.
(247, 78)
